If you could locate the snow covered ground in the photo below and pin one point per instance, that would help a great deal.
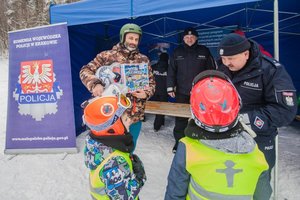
(64, 177)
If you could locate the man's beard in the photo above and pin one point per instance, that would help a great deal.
(130, 47)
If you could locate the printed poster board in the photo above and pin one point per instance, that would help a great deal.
(40, 116)
(135, 76)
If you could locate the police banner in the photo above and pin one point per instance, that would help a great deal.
(40, 115)
(211, 37)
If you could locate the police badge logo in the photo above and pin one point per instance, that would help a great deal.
(37, 91)
(221, 52)
(258, 122)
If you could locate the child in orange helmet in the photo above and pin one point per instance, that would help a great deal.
(115, 173)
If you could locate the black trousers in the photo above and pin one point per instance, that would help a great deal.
(159, 119)
(180, 122)
(267, 145)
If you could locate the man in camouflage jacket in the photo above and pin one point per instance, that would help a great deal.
(125, 52)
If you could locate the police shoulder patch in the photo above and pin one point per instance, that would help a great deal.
(288, 98)
(272, 61)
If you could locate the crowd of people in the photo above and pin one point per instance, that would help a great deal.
(225, 151)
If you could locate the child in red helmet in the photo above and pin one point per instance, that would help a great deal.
(218, 158)
(115, 173)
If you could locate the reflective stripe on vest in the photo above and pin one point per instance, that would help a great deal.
(212, 195)
(219, 175)
(97, 187)
(97, 192)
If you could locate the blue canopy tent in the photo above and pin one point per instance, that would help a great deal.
(94, 26)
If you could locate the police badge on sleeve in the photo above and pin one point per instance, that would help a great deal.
(37, 91)
(288, 98)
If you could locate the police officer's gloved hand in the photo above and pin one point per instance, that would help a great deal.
(138, 169)
(245, 122)
(170, 89)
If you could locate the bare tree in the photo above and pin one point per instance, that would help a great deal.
(20, 14)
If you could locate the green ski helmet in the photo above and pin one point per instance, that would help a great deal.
(129, 28)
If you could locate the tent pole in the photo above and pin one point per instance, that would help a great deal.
(276, 56)
(276, 31)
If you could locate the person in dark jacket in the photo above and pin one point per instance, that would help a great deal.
(160, 70)
(218, 158)
(267, 90)
(188, 60)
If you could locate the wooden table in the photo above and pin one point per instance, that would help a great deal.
(168, 108)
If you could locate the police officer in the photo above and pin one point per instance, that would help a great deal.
(218, 159)
(160, 70)
(188, 60)
(267, 91)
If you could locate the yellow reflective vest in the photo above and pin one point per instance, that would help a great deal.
(97, 187)
(219, 175)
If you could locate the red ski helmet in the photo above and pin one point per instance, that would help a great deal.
(215, 102)
(103, 115)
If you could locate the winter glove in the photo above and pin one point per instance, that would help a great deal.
(245, 122)
(138, 169)
(245, 118)
(171, 92)
(170, 89)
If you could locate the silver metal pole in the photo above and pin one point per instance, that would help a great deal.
(276, 31)
(276, 56)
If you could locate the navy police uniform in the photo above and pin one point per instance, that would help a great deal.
(186, 63)
(268, 96)
(160, 70)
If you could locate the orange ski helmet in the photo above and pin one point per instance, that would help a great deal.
(103, 115)
(215, 102)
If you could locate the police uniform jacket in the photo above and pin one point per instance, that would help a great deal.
(185, 63)
(160, 70)
(267, 92)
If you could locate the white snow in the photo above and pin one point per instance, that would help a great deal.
(65, 177)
